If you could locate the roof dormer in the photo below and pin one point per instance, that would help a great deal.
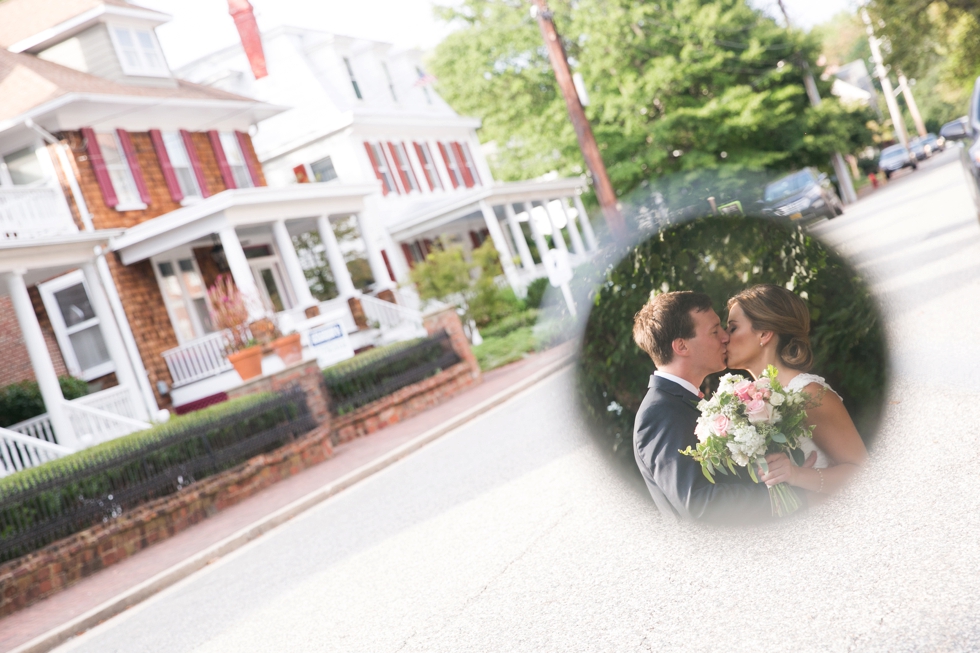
(112, 39)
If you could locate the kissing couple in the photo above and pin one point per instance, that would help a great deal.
(767, 325)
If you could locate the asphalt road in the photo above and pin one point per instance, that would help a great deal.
(513, 535)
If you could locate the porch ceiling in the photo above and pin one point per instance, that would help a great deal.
(242, 207)
(44, 258)
(436, 213)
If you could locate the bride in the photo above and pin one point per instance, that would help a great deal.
(769, 325)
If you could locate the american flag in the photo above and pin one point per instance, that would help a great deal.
(425, 79)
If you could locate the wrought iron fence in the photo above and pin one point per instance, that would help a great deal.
(352, 385)
(50, 502)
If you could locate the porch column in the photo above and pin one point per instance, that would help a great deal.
(556, 235)
(577, 245)
(583, 218)
(37, 349)
(241, 272)
(335, 257)
(378, 268)
(515, 230)
(500, 243)
(113, 339)
(297, 278)
(536, 233)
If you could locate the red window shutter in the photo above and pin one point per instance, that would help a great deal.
(426, 246)
(168, 170)
(461, 162)
(425, 168)
(377, 171)
(401, 173)
(475, 239)
(407, 251)
(98, 167)
(471, 164)
(445, 157)
(134, 165)
(195, 162)
(384, 256)
(219, 154)
(253, 166)
(301, 176)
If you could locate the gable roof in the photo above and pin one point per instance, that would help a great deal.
(27, 82)
(20, 19)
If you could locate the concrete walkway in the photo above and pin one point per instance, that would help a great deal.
(96, 590)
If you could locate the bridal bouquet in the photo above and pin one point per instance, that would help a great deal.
(744, 421)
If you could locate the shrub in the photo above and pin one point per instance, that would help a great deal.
(510, 323)
(21, 401)
(368, 377)
(535, 292)
(495, 352)
(64, 496)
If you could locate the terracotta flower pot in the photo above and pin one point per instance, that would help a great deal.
(247, 362)
(289, 348)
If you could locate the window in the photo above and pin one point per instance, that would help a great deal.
(452, 165)
(469, 163)
(139, 53)
(424, 81)
(236, 160)
(181, 163)
(381, 168)
(119, 171)
(353, 80)
(76, 327)
(391, 84)
(428, 166)
(404, 167)
(323, 170)
(23, 167)
(185, 297)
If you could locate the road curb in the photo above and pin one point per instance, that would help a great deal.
(178, 572)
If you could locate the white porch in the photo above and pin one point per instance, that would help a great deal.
(249, 234)
(531, 224)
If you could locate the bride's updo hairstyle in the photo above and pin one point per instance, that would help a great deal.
(772, 308)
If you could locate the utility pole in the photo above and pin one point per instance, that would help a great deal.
(903, 85)
(836, 160)
(886, 86)
(586, 141)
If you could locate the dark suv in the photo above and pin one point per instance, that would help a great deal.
(803, 195)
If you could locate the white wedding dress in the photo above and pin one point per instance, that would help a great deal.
(799, 384)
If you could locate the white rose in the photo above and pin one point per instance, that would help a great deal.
(777, 399)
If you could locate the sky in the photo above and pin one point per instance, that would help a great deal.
(203, 26)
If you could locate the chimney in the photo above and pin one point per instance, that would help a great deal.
(248, 30)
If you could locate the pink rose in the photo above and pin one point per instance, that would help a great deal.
(743, 390)
(721, 425)
(757, 411)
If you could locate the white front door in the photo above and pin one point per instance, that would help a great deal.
(268, 278)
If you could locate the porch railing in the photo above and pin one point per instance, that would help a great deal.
(199, 359)
(118, 400)
(33, 212)
(388, 315)
(94, 425)
(19, 451)
(36, 427)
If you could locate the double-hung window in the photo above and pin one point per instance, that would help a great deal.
(76, 326)
(353, 80)
(21, 168)
(381, 168)
(236, 160)
(428, 166)
(323, 170)
(452, 165)
(404, 167)
(391, 84)
(185, 297)
(139, 52)
(181, 164)
(120, 171)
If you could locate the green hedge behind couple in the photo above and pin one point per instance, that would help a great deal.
(721, 256)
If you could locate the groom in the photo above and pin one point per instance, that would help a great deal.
(683, 335)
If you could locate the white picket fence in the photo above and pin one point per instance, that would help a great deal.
(19, 452)
(198, 359)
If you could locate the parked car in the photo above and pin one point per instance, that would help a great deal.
(918, 149)
(803, 195)
(895, 158)
(931, 144)
(966, 131)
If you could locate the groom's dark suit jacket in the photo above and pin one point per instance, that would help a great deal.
(664, 424)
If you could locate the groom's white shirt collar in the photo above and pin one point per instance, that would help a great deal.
(679, 381)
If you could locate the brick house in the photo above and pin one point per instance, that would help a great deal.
(124, 192)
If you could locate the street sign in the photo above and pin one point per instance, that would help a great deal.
(558, 267)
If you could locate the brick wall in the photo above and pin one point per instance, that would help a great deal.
(306, 375)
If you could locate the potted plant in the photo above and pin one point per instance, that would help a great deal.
(289, 348)
(229, 312)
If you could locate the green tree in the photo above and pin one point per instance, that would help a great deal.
(675, 86)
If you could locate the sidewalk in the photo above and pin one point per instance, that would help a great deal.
(104, 586)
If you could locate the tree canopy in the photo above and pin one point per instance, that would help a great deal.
(675, 86)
